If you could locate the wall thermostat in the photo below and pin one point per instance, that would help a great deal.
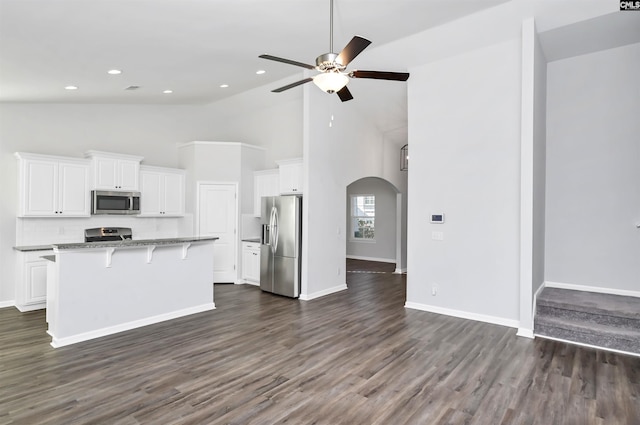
(437, 218)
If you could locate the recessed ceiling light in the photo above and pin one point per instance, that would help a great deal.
(114, 72)
(224, 86)
(71, 88)
(260, 71)
(167, 91)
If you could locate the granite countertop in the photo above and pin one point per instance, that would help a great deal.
(115, 244)
(132, 242)
(33, 248)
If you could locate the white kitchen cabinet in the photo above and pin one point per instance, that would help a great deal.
(251, 263)
(31, 288)
(51, 186)
(265, 183)
(113, 171)
(291, 176)
(162, 192)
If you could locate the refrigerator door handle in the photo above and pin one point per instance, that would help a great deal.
(272, 228)
(275, 230)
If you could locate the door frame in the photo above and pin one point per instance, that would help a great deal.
(201, 183)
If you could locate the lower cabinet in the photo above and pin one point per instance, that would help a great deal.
(31, 289)
(251, 263)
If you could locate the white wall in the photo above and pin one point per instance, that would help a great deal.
(333, 157)
(532, 173)
(464, 132)
(593, 171)
(539, 164)
(383, 248)
(70, 130)
(259, 117)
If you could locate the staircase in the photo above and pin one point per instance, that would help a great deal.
(601, 320)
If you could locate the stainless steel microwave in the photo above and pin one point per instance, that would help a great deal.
(110, 202)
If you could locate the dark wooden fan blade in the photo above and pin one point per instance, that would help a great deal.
(344, 94)
(292, 85)
(380, 75)
(290, 62)
(351, 50)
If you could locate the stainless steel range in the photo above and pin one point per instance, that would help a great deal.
(104, 234)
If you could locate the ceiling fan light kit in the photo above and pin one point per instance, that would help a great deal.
(332, 78)
(331, 82)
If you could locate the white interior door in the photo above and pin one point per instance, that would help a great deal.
(217, 217)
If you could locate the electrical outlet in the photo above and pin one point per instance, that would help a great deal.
(434, 290)
(437, 236)
(338, 271)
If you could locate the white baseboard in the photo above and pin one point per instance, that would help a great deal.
(588, 345)
(246, 282)
(400, 271)
(73, 339)
(31, 307)
(464, 314)
(535, 299)
(574, 287)
(525, 333)
(10, 303)
(325, 292)
(380, 260)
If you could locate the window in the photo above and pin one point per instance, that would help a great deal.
(363, 217)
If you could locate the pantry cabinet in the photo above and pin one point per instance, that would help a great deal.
(51, 186)
(162, 192)
(290, 176)
(265, 183)
(113, 171)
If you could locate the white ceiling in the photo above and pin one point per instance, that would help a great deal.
(190, 46)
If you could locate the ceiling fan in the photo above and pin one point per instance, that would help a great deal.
(333, 77)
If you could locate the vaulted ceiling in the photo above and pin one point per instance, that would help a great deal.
(190, 47)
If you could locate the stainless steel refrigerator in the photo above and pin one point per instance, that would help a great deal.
(280, 245)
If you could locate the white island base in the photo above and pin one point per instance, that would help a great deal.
(94, 290)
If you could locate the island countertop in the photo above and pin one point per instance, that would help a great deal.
(133, 243)
(117, 244)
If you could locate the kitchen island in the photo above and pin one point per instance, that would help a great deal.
(100, 288)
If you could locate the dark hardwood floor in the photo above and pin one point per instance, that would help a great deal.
(355, 357)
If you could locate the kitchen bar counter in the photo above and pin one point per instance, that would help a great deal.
(31, 248)
(100, 288)
(121, 244)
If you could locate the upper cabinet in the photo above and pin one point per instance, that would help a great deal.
(162, 192)
(52, 186)
(291, 176)
(265, 183)
(115, 171)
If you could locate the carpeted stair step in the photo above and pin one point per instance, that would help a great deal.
(623, 339)
(591, 302)
(597, 317)
(602, 320)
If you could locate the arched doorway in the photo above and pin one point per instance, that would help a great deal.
(376, 222)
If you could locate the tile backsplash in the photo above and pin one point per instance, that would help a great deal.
(250, 226)
(44, 231)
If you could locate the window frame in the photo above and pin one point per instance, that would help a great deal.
(353, 217)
